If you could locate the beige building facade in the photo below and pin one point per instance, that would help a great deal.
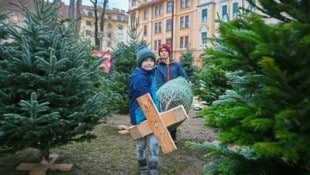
(184, 24)
(115, 25)
(114, 31)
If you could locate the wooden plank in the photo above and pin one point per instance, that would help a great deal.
(26, 166)
(61, 167)
(174, 116)
(156, 124)
(41, 170)
(44, 166)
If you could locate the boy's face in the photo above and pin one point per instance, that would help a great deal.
(148, 64)
(163, 53)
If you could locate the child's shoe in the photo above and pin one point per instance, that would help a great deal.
(153, 168)
(143, 168)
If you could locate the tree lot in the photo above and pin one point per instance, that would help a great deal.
(255, 79)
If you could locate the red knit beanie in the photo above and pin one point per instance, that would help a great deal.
(166, 46)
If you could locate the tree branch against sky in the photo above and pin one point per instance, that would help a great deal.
(119, 4)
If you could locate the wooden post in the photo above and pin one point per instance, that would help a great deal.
(156, 123)
(42, 168)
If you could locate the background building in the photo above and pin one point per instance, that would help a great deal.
(115, 21)
(115, 27)
(184, 24)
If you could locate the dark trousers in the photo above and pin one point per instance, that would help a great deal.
(173, 133)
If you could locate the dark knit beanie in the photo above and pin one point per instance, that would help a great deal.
(166, 46)
(142, 53)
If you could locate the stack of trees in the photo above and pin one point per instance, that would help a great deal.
(49, 88)
(262, 118)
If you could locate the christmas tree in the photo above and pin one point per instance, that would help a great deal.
(262, 118)
(48, 89)
(187, 60)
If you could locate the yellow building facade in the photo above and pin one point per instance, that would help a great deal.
(115, 25)
(184, 24)
(114, 31)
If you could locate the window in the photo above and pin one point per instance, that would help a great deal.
(168, 41)
(204, 36)
(109, 25)
(184, 42)
(158, 27)
(252, 7)
(224, 13)
(168, 24)
(88, 23)
(133, 3)
(184, 22)
(158, 10)
(145, 30)
(88, 32)
(204, 15)
(120, 18)
(161, 11)
(156, 44)
(120, 27)
(90, 13)
(146, 14)
(169, 6)
(185, 4)
(235, 10)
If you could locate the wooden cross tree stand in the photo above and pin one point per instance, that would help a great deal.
(157, 123)
(44, 166)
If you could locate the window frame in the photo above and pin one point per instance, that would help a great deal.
(204, 18)
(169, 6)
(184, 22)
(168, 25)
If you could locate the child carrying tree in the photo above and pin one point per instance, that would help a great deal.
(141, 81)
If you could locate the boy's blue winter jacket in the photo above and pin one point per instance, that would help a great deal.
(165, 72)
(140, 82)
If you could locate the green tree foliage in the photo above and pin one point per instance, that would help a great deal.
(124, 61)
(209, 83)
(262, 118)
(3, 26)
(186, 60)
(45, 58)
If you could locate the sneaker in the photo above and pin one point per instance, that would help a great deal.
(153, 168)
(143, 168)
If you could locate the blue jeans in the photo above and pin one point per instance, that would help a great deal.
(141, 148)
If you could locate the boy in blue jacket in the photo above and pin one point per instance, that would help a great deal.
(168, 69)
(141, 81)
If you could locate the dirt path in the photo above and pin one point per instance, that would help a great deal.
(112, 153)
(183, 161)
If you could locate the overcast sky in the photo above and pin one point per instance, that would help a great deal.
(120, 4)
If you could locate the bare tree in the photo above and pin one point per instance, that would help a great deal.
(95, 4)
(71, 9)
(102, 15)
(100, 21)
(78, 15)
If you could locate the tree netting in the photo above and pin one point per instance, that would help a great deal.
(174, 93)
